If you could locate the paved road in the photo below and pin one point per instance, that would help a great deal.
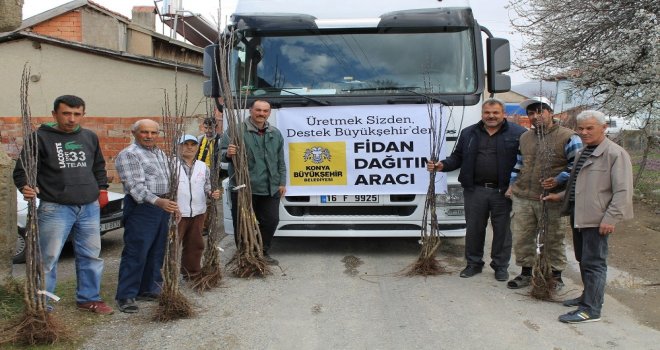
(349, 294)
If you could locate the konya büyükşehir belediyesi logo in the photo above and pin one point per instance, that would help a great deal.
(317, 163)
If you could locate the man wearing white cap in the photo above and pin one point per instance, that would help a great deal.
(194, 188)
(545, 160)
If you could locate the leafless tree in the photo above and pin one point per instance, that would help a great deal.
(36, 326)
(609, 49)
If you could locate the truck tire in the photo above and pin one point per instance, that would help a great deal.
(19, 256)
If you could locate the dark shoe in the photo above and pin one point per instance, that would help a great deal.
(572, 302)
(269, 260)
(521, 281)
(127, 305)
(147, 297)
(501, 275)
(97, 307)
(470, 271)
(578, 316)
(559, 283)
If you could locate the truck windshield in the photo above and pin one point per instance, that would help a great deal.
(356, 64)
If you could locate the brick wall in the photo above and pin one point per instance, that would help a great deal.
(114, 134)
(67, 26)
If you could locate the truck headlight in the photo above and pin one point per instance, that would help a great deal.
(454, 196)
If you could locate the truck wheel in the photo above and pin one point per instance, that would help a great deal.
(19, 256)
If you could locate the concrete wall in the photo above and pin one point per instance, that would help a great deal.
(139, 43)
(102, 30)
(8, 218)
(117, 92)
(110, 87)
(11, 12)
(90, 27)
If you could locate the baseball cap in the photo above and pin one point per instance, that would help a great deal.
(536, 99)
(187, 137)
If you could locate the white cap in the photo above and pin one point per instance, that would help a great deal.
(536, 99)
(187, 137)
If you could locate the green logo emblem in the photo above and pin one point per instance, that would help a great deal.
(72, 146)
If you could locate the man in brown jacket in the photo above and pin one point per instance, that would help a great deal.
(597, 197)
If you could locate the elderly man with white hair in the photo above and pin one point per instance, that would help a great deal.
(143, 169)
(597, 197)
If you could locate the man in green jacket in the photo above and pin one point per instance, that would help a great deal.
(265, 153)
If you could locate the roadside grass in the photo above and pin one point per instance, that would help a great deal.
(11, 298)
(79, 324)
(650, 178)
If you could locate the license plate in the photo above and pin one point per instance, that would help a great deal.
(110, 225)
(351, 198)
(454, 212)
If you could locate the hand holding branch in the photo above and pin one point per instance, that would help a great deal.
(430, 166)
(167, 205)
(231, 150)
(549, 183)
(552, 197)
(215, 194)
(29, 192)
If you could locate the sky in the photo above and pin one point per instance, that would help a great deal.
(491, 14)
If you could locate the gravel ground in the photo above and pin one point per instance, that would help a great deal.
(349, 294)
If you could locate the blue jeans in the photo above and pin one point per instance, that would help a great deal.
(56, 222)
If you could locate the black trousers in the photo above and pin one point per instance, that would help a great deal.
(591, 250)
(480, 204)
(267, 211)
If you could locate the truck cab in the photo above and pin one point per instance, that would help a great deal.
(363, 73)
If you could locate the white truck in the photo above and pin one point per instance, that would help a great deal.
(349, 83)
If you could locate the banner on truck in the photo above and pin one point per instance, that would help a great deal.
(360, 150)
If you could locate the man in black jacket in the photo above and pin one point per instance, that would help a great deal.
(72, 187)
(486, 153)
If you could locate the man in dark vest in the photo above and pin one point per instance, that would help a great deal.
(545, 159)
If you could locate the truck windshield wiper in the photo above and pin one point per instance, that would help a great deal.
(409, 89)
(376, 88)
(322, 103)
(435, 99)
(315, 100)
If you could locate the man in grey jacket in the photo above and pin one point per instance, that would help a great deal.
(597, 197)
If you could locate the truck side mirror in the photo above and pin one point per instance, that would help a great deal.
(498, 61)
(211, 87)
